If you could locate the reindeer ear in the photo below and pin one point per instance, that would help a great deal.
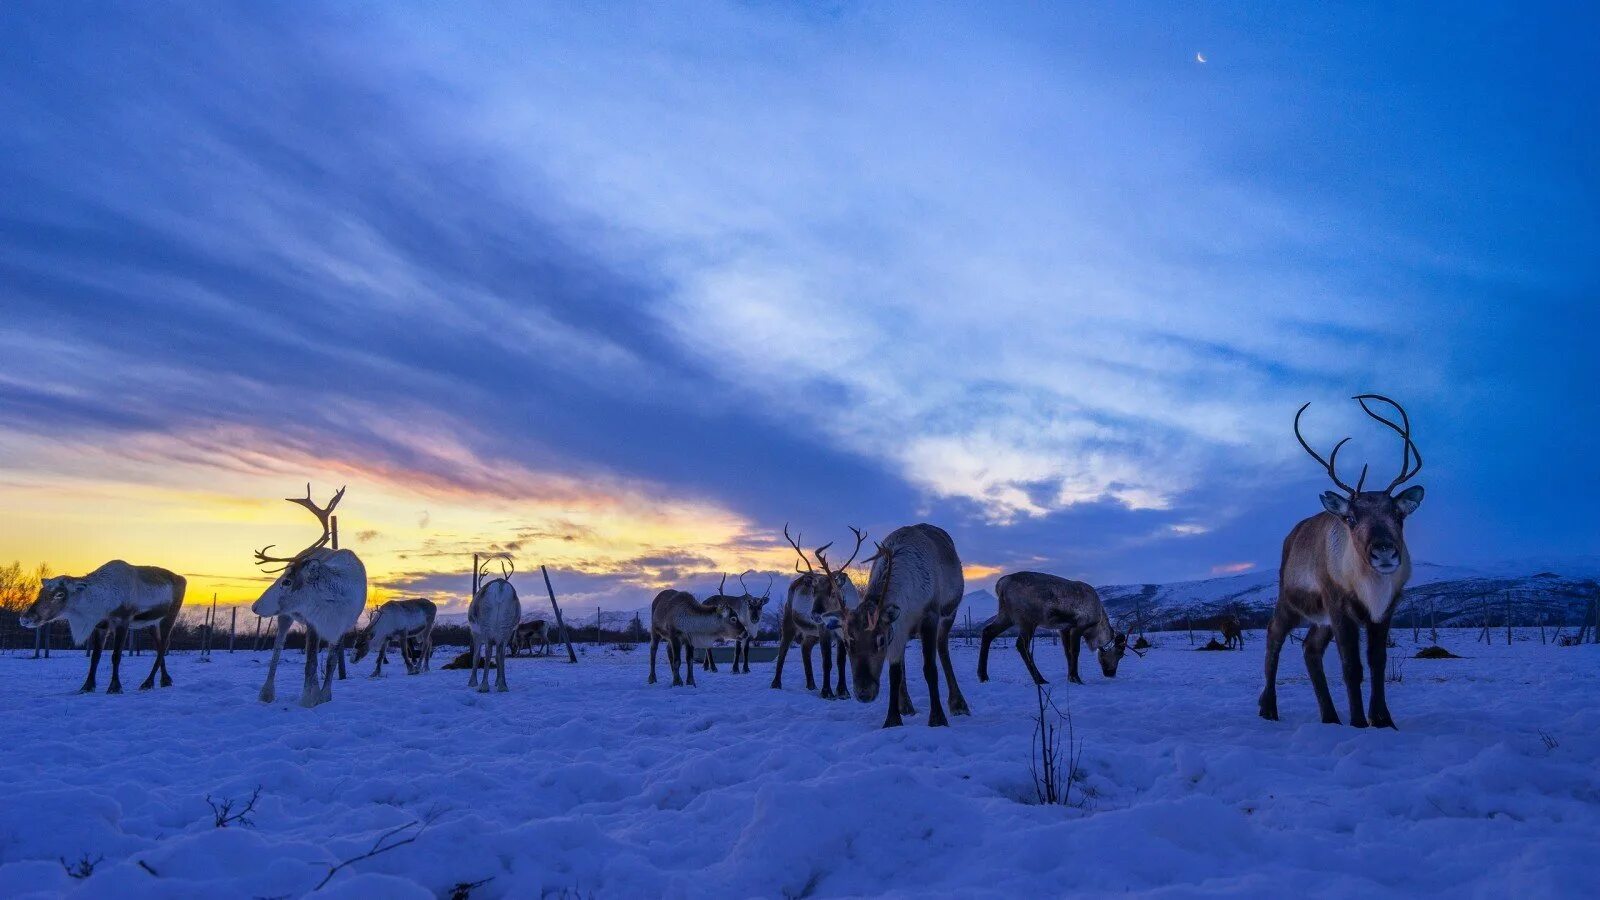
(1337, 504)
(1409, 499)
(891, 614)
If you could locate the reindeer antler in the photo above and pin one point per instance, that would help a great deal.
(822, 553)
(794, 542)
(1333, 457)
(1404, 430)
(323, 514)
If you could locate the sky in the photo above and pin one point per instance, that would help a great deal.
(624, 290)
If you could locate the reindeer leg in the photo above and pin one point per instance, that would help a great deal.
(119, 636)
(897, 679)
(1025, 650)
(1072, 646)
(377, 668)
(96, 641)
(1316, 643)
(655, 644)
(805, 656)
(827, 665)
(842, 691)
(163, 641)
(310, 693)
(473, 681)
(690, 668)
(500, 661)
(930, 672)
(785, 637)
(1377, 661)
(150, 680)
(906, 708)
(269, 690)
(486, 659)
(1347, 637)
(1278, 630)
(335, 657)
(674, 655)
(995, 627)
(958, 703)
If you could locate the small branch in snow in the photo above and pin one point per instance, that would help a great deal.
(222, 814)
(1053, 760)
(463, 889)
(148, 868)
(83, 868)
(381, 845)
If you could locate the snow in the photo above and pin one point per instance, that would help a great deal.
(586, 781)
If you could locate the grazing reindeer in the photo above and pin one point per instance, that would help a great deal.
(493, 618)
(108, 602)
(1032, 599)
(915, 588)
(815, 612)
(1342, 569)
(531, 633)
(325, 590)
(404, 621)
(686, 624)
(1232, 632)
(747, 607)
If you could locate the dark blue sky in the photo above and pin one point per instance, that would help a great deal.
(1037, 275)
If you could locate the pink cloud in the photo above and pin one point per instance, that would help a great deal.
(1232, 568)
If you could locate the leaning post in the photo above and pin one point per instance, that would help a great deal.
(572, 655)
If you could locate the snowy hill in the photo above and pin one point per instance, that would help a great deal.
(1555, 590)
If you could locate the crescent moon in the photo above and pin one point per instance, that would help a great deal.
(1199, 57)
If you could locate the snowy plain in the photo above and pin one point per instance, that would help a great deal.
(585, 781)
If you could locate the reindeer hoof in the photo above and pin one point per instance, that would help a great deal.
(776, 685)
(146, 686)
(652, 680)
(265, 696)
(959, 708)
(1358, 723)
(309, 701)
(1331, 720)
(938, 722)
(165, 681)
(1075, 680)
(500, 688)
(983, 677)
(844, 695)
(827, 694)
(86, 689)
(114, 689)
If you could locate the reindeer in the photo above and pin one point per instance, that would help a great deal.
(1344, 568)
(107, 603)
(747, 607)
(915, 588)
(323, 589)
(1032, 599)
(815, 613)
(531, 633)
(405, 621)
(493, 618)
(687, 624)
(1232, 632)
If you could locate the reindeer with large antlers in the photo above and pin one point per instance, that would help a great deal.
(814, 613)
(1343, 569)
(321, 588)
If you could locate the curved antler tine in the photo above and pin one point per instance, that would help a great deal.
(1403, 429)
(795, 543)
(1361, 482)
(1328, 463)
(861, 537)
(506, 567)
(722, 584)
(741, 580)
(771, 579)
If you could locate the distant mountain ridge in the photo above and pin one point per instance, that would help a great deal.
(1557, 591)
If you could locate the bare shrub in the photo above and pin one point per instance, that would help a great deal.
(222, 813)
(1054, 753)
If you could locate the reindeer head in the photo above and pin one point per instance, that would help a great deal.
(870, 631)
(753, 604)
(306, 571)
(51, 604)
(1374, 521)
(830, 589)
(1111, 652)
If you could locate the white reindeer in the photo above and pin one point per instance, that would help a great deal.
(915, 589)
(493, 618)
(324, 590)
(404, 621)
(107, 603)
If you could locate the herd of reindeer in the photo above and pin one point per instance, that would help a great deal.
(1343, 570)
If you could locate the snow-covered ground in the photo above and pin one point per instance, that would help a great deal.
(585, 781)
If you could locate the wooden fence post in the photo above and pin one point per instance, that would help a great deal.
(233, 623)
(572, 655)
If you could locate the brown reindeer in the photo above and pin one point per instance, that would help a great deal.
(1232, 632)
(1343, 569)
(1031, 600)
